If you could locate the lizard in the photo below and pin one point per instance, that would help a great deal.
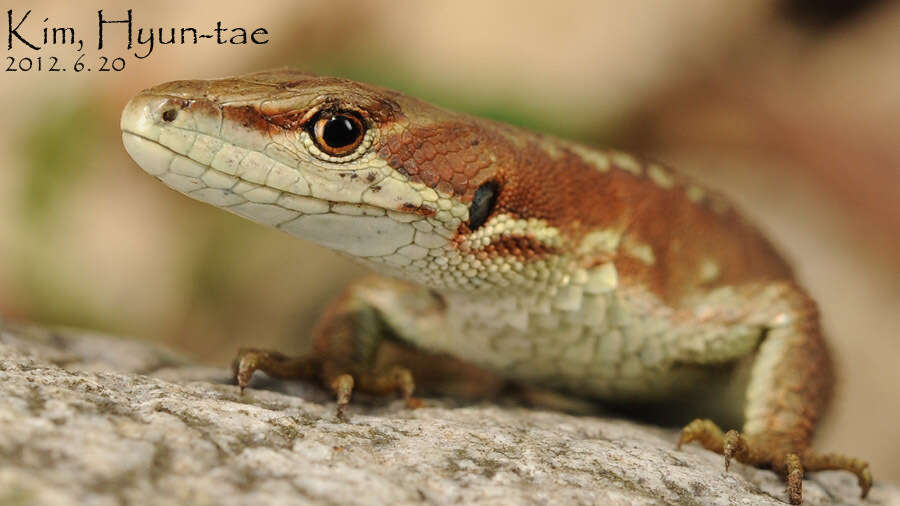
(546, 262)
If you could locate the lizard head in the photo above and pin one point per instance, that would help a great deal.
(411, 189)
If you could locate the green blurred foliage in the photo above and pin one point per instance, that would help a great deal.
(56, 148)
(57, 151)
(216, 274)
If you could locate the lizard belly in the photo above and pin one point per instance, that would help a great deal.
(609, 347)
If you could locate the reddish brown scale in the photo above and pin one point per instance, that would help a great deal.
(201, 107)
(522, 247)
(247, 116)
(421, 210)
(441, 156)
(456, 157)
(807, 377)
(292, 120)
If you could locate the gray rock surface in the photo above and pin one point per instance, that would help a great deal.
(88, 419)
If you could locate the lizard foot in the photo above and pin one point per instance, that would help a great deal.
(341, 379)
(755, 452)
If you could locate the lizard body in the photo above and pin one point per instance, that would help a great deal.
(547, 262)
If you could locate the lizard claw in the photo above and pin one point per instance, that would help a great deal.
(734, 445)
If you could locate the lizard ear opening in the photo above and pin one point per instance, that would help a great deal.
(482, 204)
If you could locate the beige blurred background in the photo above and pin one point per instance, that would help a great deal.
(790, 107)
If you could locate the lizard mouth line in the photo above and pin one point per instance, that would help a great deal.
(309, 204)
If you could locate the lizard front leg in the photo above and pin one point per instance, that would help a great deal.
(789, 388)
(357, 348)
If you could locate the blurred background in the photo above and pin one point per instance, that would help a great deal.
(791, 107)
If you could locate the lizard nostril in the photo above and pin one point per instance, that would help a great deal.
(169, 115)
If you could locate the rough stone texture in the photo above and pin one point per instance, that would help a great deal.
(93, 420)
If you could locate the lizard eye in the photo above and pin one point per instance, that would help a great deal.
(337, 134)
(482, 204)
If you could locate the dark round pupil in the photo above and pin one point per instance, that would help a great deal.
(340, 131)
